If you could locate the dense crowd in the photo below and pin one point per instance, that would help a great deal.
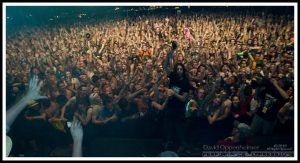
(190, 77)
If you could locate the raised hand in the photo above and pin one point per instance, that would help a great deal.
(76, 130)
(32, 94)
(34, 88)
(77, 135)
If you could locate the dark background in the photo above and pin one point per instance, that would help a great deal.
(18, 16)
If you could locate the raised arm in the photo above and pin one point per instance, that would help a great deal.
(77, 135)
(87, 119)
(279, 89)
(63, 110)
(227, 111)
(32, 94)
(215, 87)
(159, 106)
(182, 97)
(131, 96)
